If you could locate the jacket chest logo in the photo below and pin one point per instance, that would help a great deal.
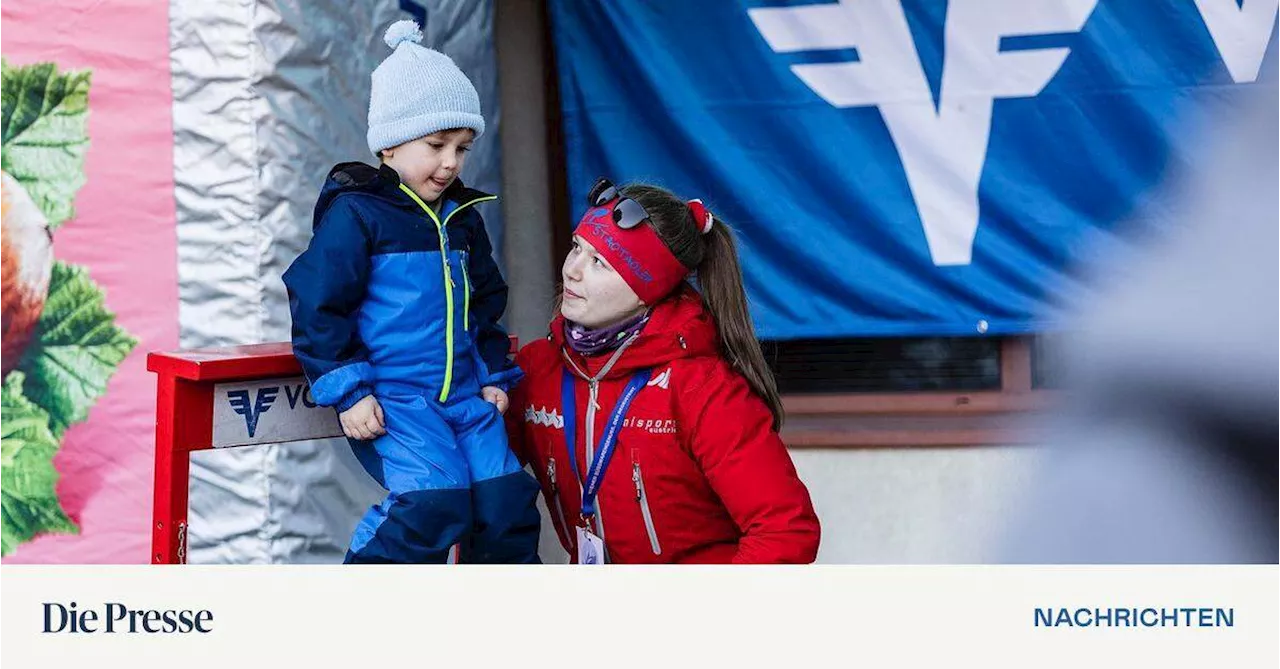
(661, 380)
(651, 425)
(541, 416)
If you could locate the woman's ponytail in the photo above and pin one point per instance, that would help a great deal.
(720, 281)
(713, 257)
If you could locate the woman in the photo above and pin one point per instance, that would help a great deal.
(648, 413)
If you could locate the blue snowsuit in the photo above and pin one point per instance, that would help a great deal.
(392, 300)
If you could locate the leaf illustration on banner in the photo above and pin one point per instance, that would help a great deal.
(76, 349)
(28, 500)
(44, 134)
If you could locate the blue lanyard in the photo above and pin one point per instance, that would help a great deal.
(608, 440)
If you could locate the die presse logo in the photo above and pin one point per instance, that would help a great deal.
(117, 618)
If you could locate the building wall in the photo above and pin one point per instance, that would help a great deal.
(915, 505)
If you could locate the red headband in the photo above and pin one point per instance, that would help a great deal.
(637, 254)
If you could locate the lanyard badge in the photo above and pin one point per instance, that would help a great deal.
(591, 547)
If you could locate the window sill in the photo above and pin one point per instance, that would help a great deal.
(932, 419)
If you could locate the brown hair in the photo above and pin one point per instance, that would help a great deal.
(713, 258)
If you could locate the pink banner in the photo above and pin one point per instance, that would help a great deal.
(88, 154)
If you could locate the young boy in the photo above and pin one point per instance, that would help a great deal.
(395, 309)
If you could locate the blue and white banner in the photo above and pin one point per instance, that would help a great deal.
(900, 167)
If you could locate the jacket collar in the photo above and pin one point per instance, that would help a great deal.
(680, 327)
(382, 182)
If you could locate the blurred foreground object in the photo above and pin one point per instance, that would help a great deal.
(1165, 451)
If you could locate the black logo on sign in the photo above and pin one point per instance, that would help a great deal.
(251, 411)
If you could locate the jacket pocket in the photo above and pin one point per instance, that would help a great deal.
(553, 501)
(642, 499)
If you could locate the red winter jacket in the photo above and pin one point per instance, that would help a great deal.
(698, 474)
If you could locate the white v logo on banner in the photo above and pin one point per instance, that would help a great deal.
(942, 151)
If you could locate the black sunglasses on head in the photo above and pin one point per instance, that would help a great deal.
(627, 213)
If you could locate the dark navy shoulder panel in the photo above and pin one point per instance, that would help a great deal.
(393, 221)
(462, 229)
(395, 227)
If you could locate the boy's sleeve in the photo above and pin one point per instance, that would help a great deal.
(326, 286)
(488, 302)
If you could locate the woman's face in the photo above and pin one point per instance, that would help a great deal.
(594, 296)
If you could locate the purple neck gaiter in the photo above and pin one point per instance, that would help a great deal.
(590, 342)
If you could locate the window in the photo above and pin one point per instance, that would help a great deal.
(884, 365)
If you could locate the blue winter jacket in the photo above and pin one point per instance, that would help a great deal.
(394, 299)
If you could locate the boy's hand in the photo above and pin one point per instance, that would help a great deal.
(364, 420)
(495, 396)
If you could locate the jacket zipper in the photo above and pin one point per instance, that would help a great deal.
(593, 384)
(466, 294)
(643, 500)
(448, 279)
(556, 507)
(593, 403)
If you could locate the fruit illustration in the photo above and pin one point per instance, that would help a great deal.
(26, 248)
(61, 343)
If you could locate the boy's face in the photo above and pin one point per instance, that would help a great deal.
(429, 164)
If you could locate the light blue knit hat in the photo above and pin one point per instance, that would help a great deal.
(418, 91)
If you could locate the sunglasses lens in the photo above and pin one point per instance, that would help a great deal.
(628, 214)
(602, 193)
